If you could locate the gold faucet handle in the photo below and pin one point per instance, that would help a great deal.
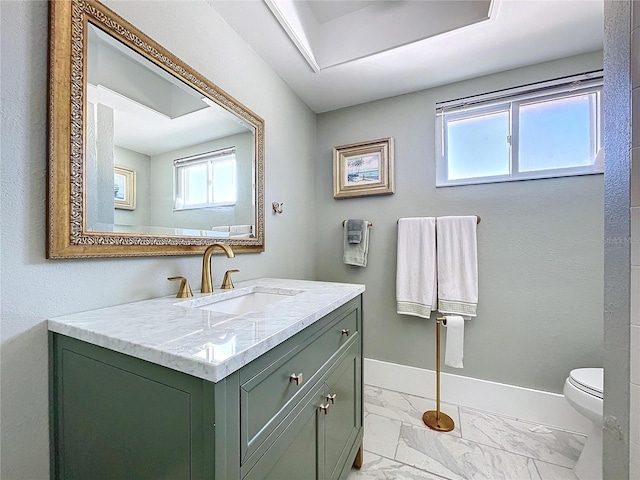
(184, 291)
(226, 281)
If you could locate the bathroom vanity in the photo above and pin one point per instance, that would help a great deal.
(260, 382)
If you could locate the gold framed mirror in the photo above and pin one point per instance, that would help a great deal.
(146, 156)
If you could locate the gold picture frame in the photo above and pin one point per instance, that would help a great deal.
(124, 188)
(364, 168)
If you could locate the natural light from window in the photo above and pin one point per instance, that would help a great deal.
(478, 146)
(557, 133)
(207, 180)
(541, 133)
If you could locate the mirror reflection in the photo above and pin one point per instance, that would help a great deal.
(160, 158)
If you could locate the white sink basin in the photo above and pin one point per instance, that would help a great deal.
(249, 302)
(241, 301)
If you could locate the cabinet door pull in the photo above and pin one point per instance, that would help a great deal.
(331, 398)
(346, 331)
(296, 378)
(325, 408)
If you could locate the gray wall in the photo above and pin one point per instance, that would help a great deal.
(540, 244)
(139, 162)
(618, 120)
(634, 300)
(34, 288)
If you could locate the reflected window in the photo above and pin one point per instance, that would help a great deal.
(205, 180)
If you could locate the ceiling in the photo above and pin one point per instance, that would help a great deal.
(336, 53)
(165, 115)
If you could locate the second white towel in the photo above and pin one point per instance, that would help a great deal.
(457, 265)
(454, 349)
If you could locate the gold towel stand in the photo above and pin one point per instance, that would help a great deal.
(435, 419)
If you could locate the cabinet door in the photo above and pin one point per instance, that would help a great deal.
(342, 422)
(119, 417)
(296, 453)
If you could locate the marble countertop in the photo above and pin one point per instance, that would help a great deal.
(177, 333)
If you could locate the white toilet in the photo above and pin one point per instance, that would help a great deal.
(583, 390)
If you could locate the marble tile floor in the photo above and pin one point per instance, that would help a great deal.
(482, 446)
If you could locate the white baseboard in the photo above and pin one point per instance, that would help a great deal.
(508, 400)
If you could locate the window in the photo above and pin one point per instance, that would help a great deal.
(206, 180)
(539, 131)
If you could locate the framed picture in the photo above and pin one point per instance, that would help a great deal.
(124, 188)
(363, 169)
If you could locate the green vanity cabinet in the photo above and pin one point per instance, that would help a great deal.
(117, 416)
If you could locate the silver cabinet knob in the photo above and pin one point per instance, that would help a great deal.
(325, 408)
(331, 398)
(346, 331)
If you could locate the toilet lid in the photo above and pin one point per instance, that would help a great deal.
(589, 380)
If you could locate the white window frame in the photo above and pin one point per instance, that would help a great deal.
(210, 158)
(510, 101)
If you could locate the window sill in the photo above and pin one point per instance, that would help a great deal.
(546, 175)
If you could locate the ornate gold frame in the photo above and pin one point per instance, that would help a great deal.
(345, 187)
(67, 236)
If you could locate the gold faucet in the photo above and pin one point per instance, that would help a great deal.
(185, 290)
(207, 285)
(227, 283)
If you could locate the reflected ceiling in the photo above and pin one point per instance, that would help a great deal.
(164, 115)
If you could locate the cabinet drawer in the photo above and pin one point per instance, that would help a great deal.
(268, 396)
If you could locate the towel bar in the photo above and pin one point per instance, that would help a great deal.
(369, 224)
(435, 419)
(477, 217)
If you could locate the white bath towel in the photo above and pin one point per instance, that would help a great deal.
(416, 269)
(454, 348)
(355, 254)
(457, 265)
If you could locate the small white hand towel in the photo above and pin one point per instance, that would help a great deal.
(454, 347)
(457, 265)
(416, 268)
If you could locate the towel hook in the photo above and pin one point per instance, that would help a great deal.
(277, 207)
